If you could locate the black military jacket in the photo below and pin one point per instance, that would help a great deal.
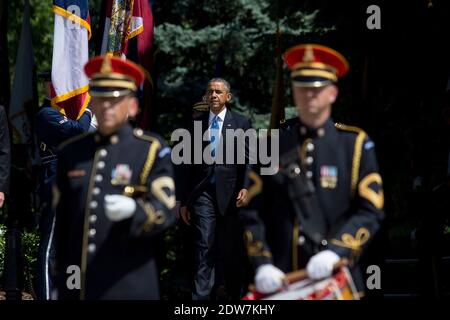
(340, 161)
(116, 259)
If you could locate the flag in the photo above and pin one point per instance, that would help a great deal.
(70, 54)
(128, 33)
(23, 91)
(278, 90)
(126, 19)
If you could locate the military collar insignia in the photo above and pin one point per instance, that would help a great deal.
(303, 130)
(320, 132)
(312, 133)
(114, 139)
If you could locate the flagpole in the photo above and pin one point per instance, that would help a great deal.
(277, 113)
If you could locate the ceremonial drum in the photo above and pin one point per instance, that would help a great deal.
(339, 286)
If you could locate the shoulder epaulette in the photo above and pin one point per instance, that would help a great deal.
(151, 156)
(356, 162)
(347, 128)
(139, 133)
(73, 139)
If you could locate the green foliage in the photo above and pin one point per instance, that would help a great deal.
(30, 244)
(188, 35)
(192, 35)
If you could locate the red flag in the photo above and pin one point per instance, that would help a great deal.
(128, 32)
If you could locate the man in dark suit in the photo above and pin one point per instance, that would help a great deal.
(116, 193)
(5, 156)
(213, 194)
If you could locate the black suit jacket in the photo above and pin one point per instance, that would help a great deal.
(5, 152)
(230, 176)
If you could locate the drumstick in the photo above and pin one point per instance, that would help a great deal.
(301, 274)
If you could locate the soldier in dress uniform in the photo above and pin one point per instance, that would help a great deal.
(116, 192)
(325, 202)
(52, 128)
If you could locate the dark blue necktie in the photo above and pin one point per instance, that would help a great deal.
(215, 135)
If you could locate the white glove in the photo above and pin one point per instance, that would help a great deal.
(118, 207)
(321, 265)
(268, 278)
